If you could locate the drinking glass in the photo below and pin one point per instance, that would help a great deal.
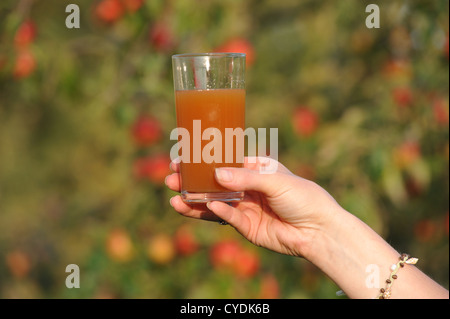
(210, 105)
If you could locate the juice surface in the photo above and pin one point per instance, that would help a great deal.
(218, 108)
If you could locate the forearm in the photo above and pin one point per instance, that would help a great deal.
(358, 260)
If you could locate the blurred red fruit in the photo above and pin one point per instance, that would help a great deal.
(223, 254)
(25, 65)
(440, 111)
(18, 263)
(161, 37)
(146, 130)
(425, 230)
(185, 242)
(402, 96)
(159, 168)
(407, 153)
(305, 121)
(270, 288)
(246, 263)
(25, 35)
(161, 249)
(231, 256)
(132, 5)
(109, 11)
(119, 246)
(239, 45)
(155, 168)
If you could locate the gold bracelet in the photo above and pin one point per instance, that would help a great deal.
(385, 293)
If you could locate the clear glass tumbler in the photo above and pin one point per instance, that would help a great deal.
(210, 106)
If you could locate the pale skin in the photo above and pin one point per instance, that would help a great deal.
(294, 216)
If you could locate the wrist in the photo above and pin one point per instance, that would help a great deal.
(325, 238)
(345, 248)
(358, 260)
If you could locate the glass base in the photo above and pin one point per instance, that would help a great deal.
(209, 197)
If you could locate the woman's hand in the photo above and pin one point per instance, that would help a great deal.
(291, 215)
(280, 211)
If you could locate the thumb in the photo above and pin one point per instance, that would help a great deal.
(244, 179)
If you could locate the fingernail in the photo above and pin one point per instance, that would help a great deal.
(224, 175)
(170, 201)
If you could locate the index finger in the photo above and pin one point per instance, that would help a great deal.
(175, 165)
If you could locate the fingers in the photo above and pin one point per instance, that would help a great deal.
(199, 211)
(239, 179)
(244, 179)
(189, 210)
(255, 164)
(231, 215)
(173, 182)
(175, 165)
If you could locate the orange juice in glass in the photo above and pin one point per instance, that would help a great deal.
(209, 97)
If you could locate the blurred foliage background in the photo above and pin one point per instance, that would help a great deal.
(85, 117)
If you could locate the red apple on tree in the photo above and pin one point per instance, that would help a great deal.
(146, 130)
(229, 255)
(246, 263)
(25, 35)
(25, 65)
(109, 11)
(161, 37)
(239, 45)
(154, 168)
(158, 168)
(223, 254)
(185, 241)
(305, 121)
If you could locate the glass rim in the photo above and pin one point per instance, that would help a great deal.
(210, 54)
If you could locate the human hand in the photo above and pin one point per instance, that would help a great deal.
(280, 211)
(291, 215)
